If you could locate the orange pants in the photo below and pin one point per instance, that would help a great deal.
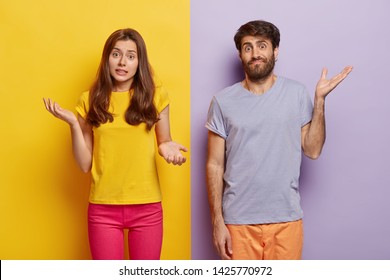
(280, 241)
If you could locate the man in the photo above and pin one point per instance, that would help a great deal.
(258, 129)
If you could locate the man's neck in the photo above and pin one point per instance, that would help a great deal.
(261, 86)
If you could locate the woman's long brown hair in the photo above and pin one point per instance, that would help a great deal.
(141, 107)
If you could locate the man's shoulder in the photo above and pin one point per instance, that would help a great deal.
(290, 83)
(228, 91)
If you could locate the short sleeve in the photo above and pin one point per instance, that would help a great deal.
(161, 97)
(215, 120)
(306, 108)
(82, 106)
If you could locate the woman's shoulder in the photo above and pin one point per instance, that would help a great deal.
(85, 95)
(161, 97)
(82, 106)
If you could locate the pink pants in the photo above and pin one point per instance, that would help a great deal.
(106, 224)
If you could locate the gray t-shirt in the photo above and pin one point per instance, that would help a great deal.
(263, 150)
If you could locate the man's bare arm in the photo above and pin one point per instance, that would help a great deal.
(215, 167)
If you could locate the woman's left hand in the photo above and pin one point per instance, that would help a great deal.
(171, 152)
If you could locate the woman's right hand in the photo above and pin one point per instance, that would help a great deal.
(81, 131)
(59, 112)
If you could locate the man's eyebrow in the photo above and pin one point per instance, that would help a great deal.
(262, 41)
(246, 43)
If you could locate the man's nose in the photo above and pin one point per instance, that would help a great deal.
(256, 52)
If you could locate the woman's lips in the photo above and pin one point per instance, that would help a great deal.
(121, 72)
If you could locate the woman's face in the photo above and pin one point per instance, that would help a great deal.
(123, 64)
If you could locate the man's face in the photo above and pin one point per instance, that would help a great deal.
(257, 57)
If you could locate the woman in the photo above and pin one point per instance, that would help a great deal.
(113, 137)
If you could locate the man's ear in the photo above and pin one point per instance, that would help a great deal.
(276, 53)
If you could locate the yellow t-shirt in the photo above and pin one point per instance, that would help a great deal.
(123, 163)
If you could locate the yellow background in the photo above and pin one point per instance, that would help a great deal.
(52, 49)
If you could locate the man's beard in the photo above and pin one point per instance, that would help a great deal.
(260, 71)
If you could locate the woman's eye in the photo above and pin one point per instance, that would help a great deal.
(115, 54)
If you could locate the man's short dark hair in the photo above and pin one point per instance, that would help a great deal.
(258, 28)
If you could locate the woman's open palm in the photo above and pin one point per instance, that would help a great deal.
(56, 110)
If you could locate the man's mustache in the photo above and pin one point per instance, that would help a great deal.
(255, 59)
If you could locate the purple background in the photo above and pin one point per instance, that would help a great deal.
(345, 193)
